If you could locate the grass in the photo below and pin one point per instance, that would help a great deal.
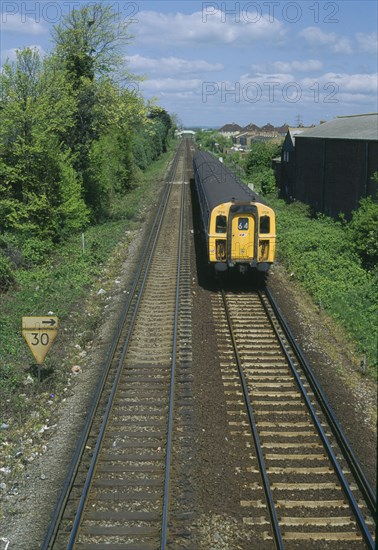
(319, 254)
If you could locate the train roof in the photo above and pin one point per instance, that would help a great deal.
(219, 183)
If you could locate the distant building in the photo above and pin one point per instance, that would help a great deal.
(282, 130)
(253, 133)
(268, 129)
(334, 163)
(251, 128)
(229, 130)
(243, 139)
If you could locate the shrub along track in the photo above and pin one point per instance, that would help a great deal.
(300, 483)
(117, 488)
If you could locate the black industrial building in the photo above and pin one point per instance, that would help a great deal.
(331, 166)
(286, 167)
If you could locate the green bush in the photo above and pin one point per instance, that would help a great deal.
(23, 249)
(260, 156)
(264, 181)
(35, 251)
(364, 231)
(323, 258)
(6, 272)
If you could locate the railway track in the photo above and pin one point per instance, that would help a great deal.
(133, 482)
(301, 489)
(117, 490)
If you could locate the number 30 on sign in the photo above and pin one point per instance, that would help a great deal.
(39, 333)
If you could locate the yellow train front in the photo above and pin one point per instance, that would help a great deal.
(239, 229)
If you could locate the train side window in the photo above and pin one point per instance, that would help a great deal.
(221, 224)
(265, 224)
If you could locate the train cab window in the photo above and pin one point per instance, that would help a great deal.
(221, 224)
(265, 224)
(243, 224)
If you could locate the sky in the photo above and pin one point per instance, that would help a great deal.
(213, 63)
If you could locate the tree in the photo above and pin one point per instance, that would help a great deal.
(264, 181)
(258, 165)
(39, 195)
(222, 143)
(233, 160)
(89, 41)
(89, 46)
(69, 133)
(158, 114)
(260, 156)
(206, 139)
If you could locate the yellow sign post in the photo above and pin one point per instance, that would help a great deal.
(39, 333)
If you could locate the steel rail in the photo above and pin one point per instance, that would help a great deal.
(335, 426)
(173, 370)
(343, 482)
(268, 492)
(91, 471)
(79, 451)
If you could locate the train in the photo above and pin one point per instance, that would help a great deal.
(239, 228)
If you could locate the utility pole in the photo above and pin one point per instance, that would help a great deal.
(299, 120)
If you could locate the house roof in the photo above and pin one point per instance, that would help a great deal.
(296, 132)
(230, 128)
(282, 129)
(364, 127)
(268, 127)
(251, 127)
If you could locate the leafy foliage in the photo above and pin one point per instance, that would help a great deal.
(40, 194)
(212, 140)
(264, 181)
(89, 41)
(321, 255)
(151, 140)
(258, 166)
(6, 272)
(110, 170)
(71, 137)
(260, 156)
(364, 231)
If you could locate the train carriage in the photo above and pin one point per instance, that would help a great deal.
(239, 228)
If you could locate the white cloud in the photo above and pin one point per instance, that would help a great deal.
(280, 89)
(171, 65)
(21, 24)
(315, 37)
(300, 66)
(267, 79)
(345, 98)
(288, 66)
(368, 42)
(172, 85)
(348, 83)
(183, 97)
(198, 30)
